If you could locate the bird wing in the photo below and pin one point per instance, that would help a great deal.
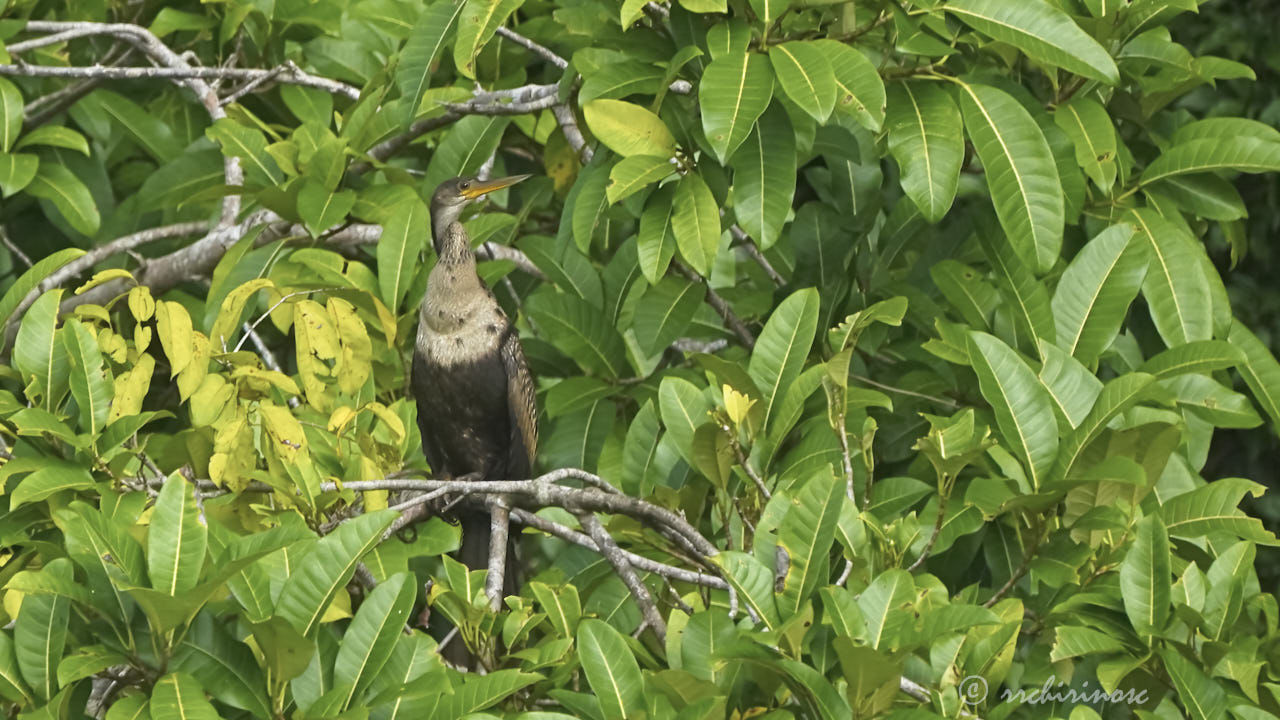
(521, 406)
(420, 385)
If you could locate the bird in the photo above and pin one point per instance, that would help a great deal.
(477, 411)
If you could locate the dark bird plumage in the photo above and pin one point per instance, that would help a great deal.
(475, 396)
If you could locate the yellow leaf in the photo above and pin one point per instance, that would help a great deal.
(131, 387)
(316, 343)
(386, 319)
(92, 312)
(233, 457)
(284, 430)
(13, 602)
(103, 276)
(141, 304)
(339, 609)
(737, 404)
(388, 418)
(210, 400)
(270, 377)
(375, 500)
(192, 377)
(174, 326)
(339, 419)
(141, 336)
(224, 327)
(355, 365)
(112, 345)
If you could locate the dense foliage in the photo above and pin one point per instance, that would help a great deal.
(879, 351)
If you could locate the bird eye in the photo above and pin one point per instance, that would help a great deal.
(464, 185)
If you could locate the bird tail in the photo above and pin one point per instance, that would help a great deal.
(474, 552)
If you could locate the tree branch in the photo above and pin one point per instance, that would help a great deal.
(720, 305)
(288, 73)
(618, 560)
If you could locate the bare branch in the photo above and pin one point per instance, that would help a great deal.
(477, 107)
(288, 74)
(499, 527)
(569, 125)
(752, 250)
(528, 519)
(609, 548)
(719, 304)
(160, 53)
(547, 54)
(17, 251)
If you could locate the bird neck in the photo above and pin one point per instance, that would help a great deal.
(441, 218)
(453, 247)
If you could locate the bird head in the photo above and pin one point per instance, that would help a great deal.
(454, 194)
(457, 192)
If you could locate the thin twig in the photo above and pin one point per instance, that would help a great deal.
(903, 391)
(720, 305)
(17, 251)
(546, 53)
(609, 548)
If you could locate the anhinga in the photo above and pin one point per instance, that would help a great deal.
(472, 385)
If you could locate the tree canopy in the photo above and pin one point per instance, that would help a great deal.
(880, 348)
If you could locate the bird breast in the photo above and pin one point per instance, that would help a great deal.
(460, 322)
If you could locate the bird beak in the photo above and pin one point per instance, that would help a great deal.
(483, 187)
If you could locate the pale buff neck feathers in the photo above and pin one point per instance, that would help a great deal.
(456, 297)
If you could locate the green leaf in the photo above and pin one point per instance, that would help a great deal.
(562, 606)
(1118, 395)
(151, 133)
(859, 89)
(399, 249)
(1087, 123)
(248, 144)
(32, 278)
(1176, 288)
(16, 171)
(735, 89)
(666, 311)
(1215, 508)
(656, 240)
(634, 173)
(1026, 296)
(479, 21)
(882, 608)
(767, 11)
(1071, 385)
(58, 185)
(620, 79)
(683, 409)
(90, 380)
(10, 114)
(764, 178)
(177, 696)
(178, 538)
(629, 129)
(1202, 356)
(467, 146)
(805, 75)
(695, 222)
(372, 634)
(169, 20)
(321, 209)
(1201, 696)
(808, 530)
(1212, 402)
(1020, 171)
(1022, 406)
(1095, 291)
(1042, 31)
(37, 355)
(309, 104)
(1245, 154)
(925, 138)
(1261, 371)
(420, 52)
(310, 588)
(55, 136)
(753, 583)
(211, 654)
(782, 347)
(40, 635)
(579, 330)
(611, 669)
(590, 204)
(1071, 641)
(49, 480)
(1144, 577)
